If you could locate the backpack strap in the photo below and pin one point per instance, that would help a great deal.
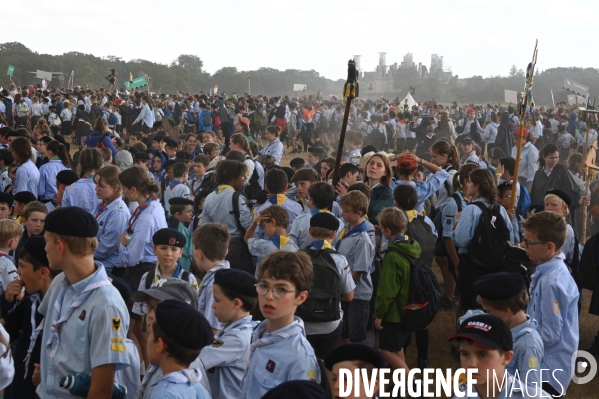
(400, 251)
(236, 214)
(173, 223)
(458, 200)
(150, 277)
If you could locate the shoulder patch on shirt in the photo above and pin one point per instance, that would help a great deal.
(116, 324)
(217, 343)
(556, 307)
(532, 362)
(117, 345)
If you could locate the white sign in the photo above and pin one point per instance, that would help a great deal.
(511, 96)
(572, 100)
(299, 87)
(43, 75)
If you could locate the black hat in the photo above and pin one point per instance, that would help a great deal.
(555, 191)
(170, 237)
(183, 155)
(238, 281)
(168, 288)
(354, 352)
(317, 150)
(36, 247)
(297, 162)
(141, 155)
(171, 142)
(466, 139)
(24, 197)
(67, 177)
(71, 221)
(499, 286)
(180, 201)
(297, 389)
(6, 199)
(184, 324)
(132, 150)
(487, 330)
(325, 220)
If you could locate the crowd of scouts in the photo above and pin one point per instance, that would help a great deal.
(203, 268)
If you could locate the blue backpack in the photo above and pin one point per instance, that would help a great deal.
(112, 119)
(523, 201)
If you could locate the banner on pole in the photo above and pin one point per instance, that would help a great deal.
(511, 96)
(576, 87)
(136, 83)
(299, 87)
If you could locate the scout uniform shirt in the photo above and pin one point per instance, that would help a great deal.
(85, 327)
(277, 357)
(228, 357)
(8, 271)
(218, 208)
(299, 229)
(260, 248)
(357, 246)
(112, 222)
(183, 384)
(82, 193)
(528, 352)
(206, 299)
(175, 189)
(293, 209)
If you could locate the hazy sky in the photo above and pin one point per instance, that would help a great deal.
(475, 37)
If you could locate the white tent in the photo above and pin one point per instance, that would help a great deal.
(411, 101)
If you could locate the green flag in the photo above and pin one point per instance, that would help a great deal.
(11, 70)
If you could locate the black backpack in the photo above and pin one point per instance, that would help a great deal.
(253, 188)
(152, 273)
(489, 247)
(323, 123)
(424, 299)
(324, 298)
(422, 233)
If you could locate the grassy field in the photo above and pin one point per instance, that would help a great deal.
(444, 325)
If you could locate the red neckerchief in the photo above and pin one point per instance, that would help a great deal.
(138, 212)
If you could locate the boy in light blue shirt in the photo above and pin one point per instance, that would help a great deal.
(177, 187)
(274, 221)
(553, 297)
(279, 351)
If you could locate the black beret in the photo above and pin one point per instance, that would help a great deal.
(499, 286)
(6, 198)
(183, 155)
(67, 177)
(555, 191)
(325, 220)
(238, 281)
(170, 237)
(354, 352)
(71, 221)
(180, 201)
(184, 324)
(171, 142)
(297, 389)
(317, 150)
(141, 155)
(295, 162)
(36, 247)
(24, 197)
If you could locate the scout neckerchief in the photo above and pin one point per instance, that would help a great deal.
(90, 177)
(278, 199)
(222, 187)
(195, 191)
(279, 240)
(35, 331)
(317, 211)
(399, 239)
(99, 279)
(260, 339)
(176, 273)
(55, 159)
(320, 244)
(192, 376)
(174, 184)
(102, 207)
(356, 230)
(138, 211)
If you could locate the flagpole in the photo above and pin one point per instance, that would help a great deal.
(350, 91)
(527, 93)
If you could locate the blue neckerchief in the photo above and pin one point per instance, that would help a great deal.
(277, 199)
(174, 183)
(177, 273)
(317, 211)
(320, 244)
(279, 241)
(358, 229)
(399, 239)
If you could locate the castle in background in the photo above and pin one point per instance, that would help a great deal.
(382, 78)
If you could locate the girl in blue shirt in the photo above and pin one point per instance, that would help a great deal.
(59, 160)
(82, 193)
(274, 148)
(26, 176)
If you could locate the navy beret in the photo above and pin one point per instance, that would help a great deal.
(499, 286)
(325, 220)
(71, 221)
(67, 177)
(171, 142)
(238, 281)
(298, 389)
(180, 201)
(354, 352)
(6, 198)
(184, 324)
(24, 197)
(170, 237)
(36, 247)
(555, 191)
